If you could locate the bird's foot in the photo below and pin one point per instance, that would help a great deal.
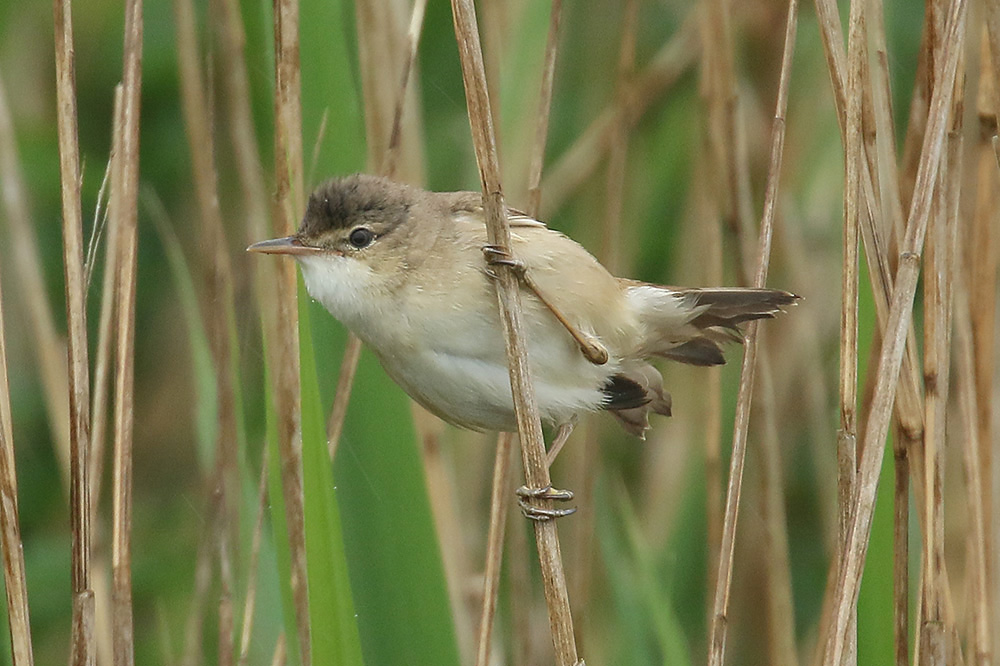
(525, 495)
(497, 255)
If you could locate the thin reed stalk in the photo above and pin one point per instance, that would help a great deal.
(499, 501)
(218, 305)
(894, 340)
(578, 162)
(719, 625)
(544, 110)
(287, 206)
(854, 156)
(15, 581)
(83, 645)
(982, 290)
(49, 347)
(250, 598)
(980, 638)
(525, 407)
(124, 212)
(388, 159)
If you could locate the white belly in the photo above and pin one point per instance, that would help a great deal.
(475, 392)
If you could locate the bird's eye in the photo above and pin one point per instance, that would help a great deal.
(361, 237)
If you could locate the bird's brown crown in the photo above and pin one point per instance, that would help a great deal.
(344, 203)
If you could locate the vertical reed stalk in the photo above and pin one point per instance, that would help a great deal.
(501, 469)
(982, 263)
(719, 625)
(218, 303)
(894, 340)
(288, 205)
(124, 212)
(250, 600)
(980, 638)
(15, 581)
(499, 501)
(388, 160)
(83, 645)
(854, 156)
(525, 407)
(578, 162)
(48, 344)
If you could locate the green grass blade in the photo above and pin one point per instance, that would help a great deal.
(331, 608)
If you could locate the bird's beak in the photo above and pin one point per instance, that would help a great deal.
(286, 245)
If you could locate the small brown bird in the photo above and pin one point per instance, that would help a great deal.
(404, 269)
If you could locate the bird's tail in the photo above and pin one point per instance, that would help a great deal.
(689, 325)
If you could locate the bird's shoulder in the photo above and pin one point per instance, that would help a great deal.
(466, 209)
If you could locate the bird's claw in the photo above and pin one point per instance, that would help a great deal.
(528, 510)
(497, 255)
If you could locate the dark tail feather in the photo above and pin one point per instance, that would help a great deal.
(692, 324)
(727, 308)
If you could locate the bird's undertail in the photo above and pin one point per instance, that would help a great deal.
(690, 325)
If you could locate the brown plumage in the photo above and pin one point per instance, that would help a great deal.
(404, 269)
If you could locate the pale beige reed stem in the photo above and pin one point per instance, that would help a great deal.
(849, 576)
(720, 622)
(10, 528)
(508, 291)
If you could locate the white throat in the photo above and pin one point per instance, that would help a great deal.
(346, 288)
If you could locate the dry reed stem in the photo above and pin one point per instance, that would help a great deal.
(891, 356)
(394, 147)
(202, 582)
(908, 407)
(218, 301)
(124, 212)
(719, 624)
(891, 206)
(780, 607)
(226, 656)
(909, 401)
(389, 163)
(614, 183)
(982, 288)
(279, 658)
(342, 394)
(48, 345)
(571, 169)
(508, 292)
(711, 242)
(520, 589)
(980, 640)
(78, 369)
(250, 599)
(544, 111)
(239, 120)
(275, 290)
(938, 269)
(854, 155)
(715, 150)
(102, 367)
(13, 550)
(287, 208)
(499, 501)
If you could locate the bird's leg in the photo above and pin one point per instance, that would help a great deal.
(528, 510)
(562, 434)
(591, 347)
(524, 494)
